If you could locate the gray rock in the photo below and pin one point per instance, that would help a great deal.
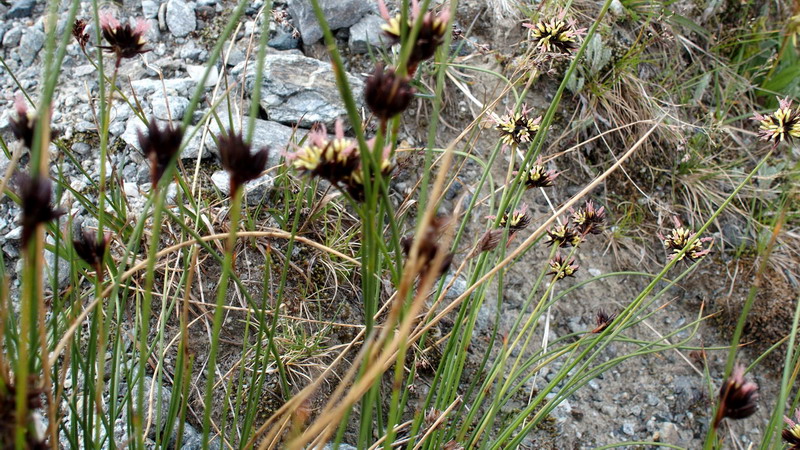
(20, 9)
(459, 286)
(180, 86)
(177, 107)
(628, 428)
(367, 33)
(256, 191)
(150, 9)
(297, 89)
(180, 18)
(12, 37)
(265, 134)
(30, 44)
(341, 446)
(235, 56)
(339, 14)
(56, 266)
(284, 40)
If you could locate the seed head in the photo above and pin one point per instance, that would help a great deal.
(159, 146)
(561, 268)
(517, 127)
(679, 237)
(792, 434)
(91, 248)
(124, 41)
(563, 235)
(488, 242)
(429, 247)
(386, 93)
(241, 164)
(556, 35)
(603, 320)
(737, 397)
(537, 176)
(35, 195)
(24, 125)
(589, 220)
(782, 125)
(80, 34)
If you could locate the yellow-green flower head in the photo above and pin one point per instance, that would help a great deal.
(792, 434)
(431, 34)
(517, 128)
(516, 220)
(782, 125)
(538, 176)
(679, 237)
(561, 268)
(556, 35)
(332, 159)
(563, 235)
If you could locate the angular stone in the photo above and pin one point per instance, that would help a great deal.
(299, 90)
(180, 18)
(338, 13)
(177, 106)
(150, 9)
(20, 9)
(30, 44)
(367, 33)
(256, 191)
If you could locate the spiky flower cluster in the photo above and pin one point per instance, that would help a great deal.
(336, 160)
(159, 145)
(431, 35)
(792, 434)
(91, 248)
(589, 219)
(782, 125)
(603, 320)
(24, 125)
(516, 220)
(563, 235)
(557, 35)
(386, 93)
(537, 176)
(560, 267)
(737, 397)
(679, 237)
(80, 34)
(517, 128)
(124, 41)
(239, 161)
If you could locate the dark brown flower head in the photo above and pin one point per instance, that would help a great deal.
(561, 268)
(241, 164)
(429, 247)
(124, 41)
(159, 146)
(35, 196)
(679, 237)
(91, 248)
(430, 37)
(589, 220)
(80, 34)
(386, 93)
(24, 125)
(354, 184)
(517, 127)
(603, 320)
(563, 236)
(537, 176)
(488, 242)
(8, 412)
(516, 220)
(792, 434)
(737, 397)
(782, 125)
(556, 35)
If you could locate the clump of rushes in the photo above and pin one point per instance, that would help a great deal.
(563, 235)
(782, 125)
(336, 160)
(159, 146)
(429, 247)
(517, 128)
(561, 268)
(557, 35)
(80, 34)
(603, 320)
(241, 164)
(91, 248)
(537, 176)
(589, 219)
(124, 41)
(737, 397)
(386, 93)
(679, 237)
(431, 35)
(35, 195)
(34, 439)
(792, 434)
